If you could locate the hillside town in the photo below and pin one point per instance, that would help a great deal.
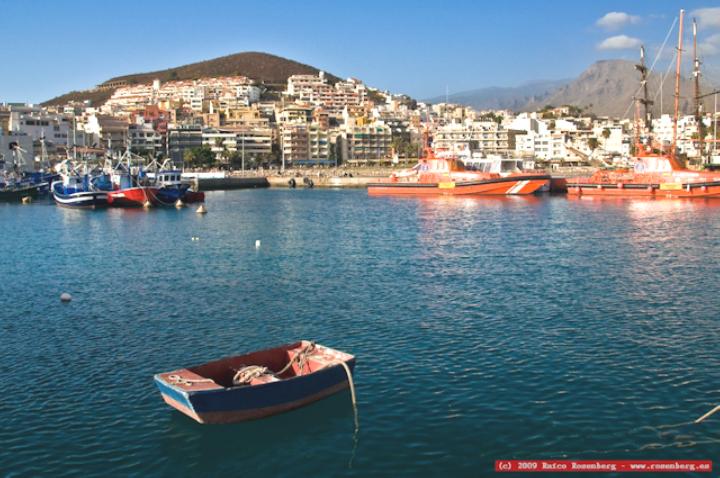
(236, 123)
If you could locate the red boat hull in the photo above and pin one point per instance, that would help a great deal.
(658, 190)
(133, 197)
(520, 185)
(194, 196)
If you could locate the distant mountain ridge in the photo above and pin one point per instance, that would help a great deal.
(606, 88)
(502, 98)
(262, 67)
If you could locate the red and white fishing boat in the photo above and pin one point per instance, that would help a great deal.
(657, 171)
(128, 188)
(135, 196)
(257, 384)
(447, 175)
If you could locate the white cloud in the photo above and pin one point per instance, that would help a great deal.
(615, 20)
(707, 17)
(619, 42)
(710, 46)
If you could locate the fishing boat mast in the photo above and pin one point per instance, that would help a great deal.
(677, 85)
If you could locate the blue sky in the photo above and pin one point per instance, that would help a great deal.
(410, 47)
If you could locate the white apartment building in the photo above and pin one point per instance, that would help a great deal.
(252, 142)
(687, 127)
(476, 136)
(545, 146)
(56, 129)
(144, 139)
(306, 143)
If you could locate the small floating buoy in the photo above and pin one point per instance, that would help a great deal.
(179, 204)
(65, 297)
(194, 238)
(257, 244)
(26, 200)
(147, 204)
(201, 209)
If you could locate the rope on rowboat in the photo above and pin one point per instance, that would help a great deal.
(246, 374)
(707, 415)
(188, 381)
(301, 357)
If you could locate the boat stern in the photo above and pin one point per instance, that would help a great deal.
(177, 388)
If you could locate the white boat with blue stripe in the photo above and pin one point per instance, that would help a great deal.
(78, 191)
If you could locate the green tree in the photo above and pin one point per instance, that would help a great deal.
(592, 143)
(202, 157)
(606, 133)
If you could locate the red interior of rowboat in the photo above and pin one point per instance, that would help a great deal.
(222, 371)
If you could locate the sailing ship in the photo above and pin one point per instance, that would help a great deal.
(658, 171)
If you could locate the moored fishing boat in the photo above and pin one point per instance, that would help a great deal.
(257, 384)
(171, 187)
(15, 193)
(77, 192)
(446, 175)
(80, 190)
(127, 191)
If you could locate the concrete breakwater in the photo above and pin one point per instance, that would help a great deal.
(321, 181)
(230, 182)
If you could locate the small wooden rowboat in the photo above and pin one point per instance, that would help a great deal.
(258, 384)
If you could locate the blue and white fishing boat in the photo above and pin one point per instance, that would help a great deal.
(171, 185)
(80, 190)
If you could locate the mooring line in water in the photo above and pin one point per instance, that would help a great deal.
(708, 414)
(352, 393)
(355, 411)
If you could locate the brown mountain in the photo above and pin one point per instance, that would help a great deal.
(607, 87)
(263, 67)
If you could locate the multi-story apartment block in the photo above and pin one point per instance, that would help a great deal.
(306, 144)
(181, 138)
(250, 142)
(55, 129)
(366, 144)
(484, 137)
(145, 140)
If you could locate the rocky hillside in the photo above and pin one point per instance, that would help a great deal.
(606, 88)
(269, 69)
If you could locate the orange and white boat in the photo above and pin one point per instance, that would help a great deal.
(447, 175)
(657, 172)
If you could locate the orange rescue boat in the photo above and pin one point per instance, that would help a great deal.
(446, 175)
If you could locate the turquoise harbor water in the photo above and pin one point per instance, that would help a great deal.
(485, 328)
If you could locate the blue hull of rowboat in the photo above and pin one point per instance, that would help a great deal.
(206, 393)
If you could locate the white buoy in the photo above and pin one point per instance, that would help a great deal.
(65, 297)
(201, 209)
(26, 200)
(257, 244)
(179, 204)
(147, 204)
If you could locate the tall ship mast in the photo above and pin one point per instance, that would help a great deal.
(656, 172)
